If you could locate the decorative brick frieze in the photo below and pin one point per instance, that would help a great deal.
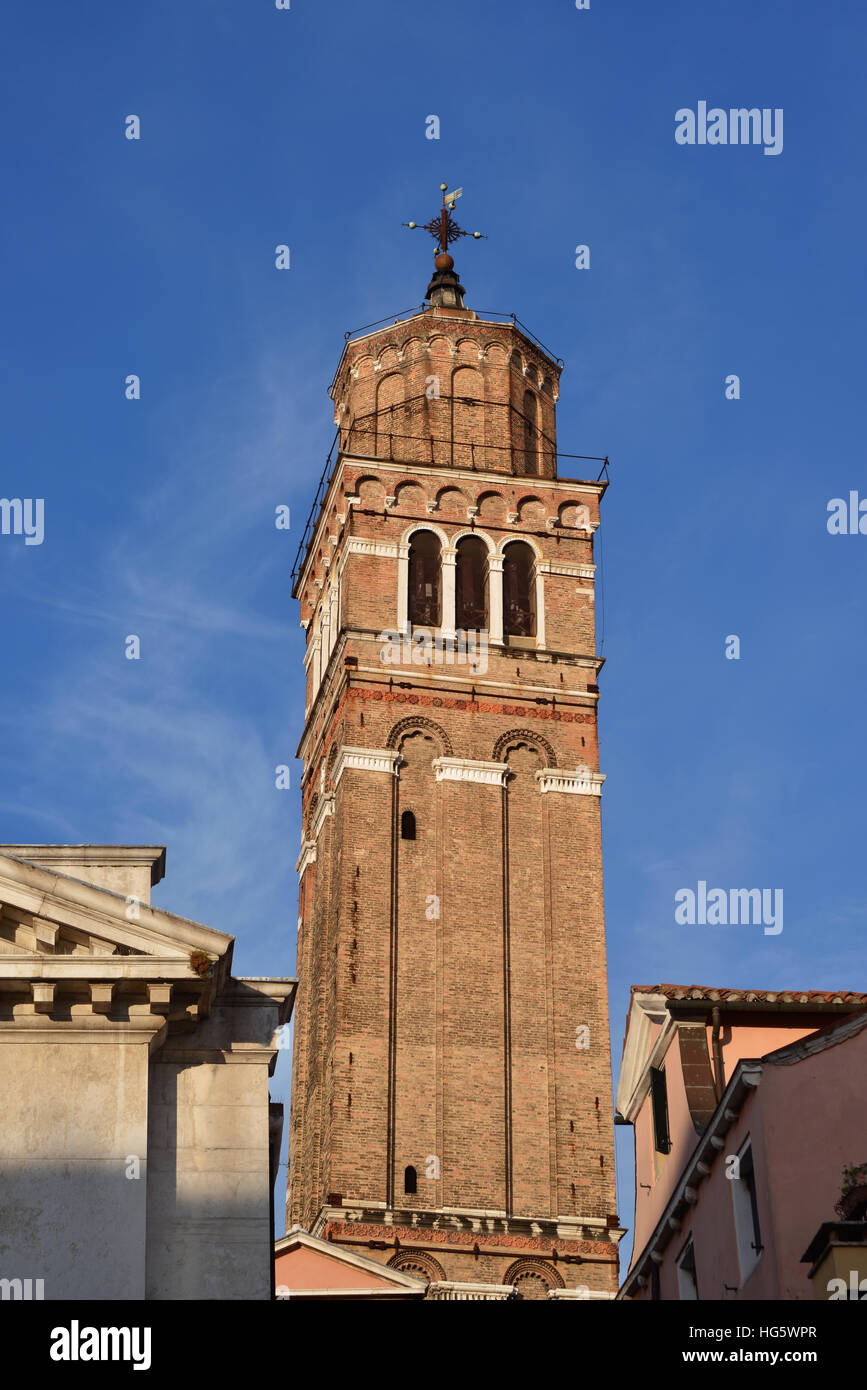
(474, 706)
(434, 1237)
(463, 1292)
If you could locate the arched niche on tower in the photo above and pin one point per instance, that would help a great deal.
(371, 493)
(452, 503)
(523, 595)
(417, 724)
(472, 611)
(493, 507)
(532, 511)
(424, 586)
(419, 741)
(410, 497)
(426, 563)
(517, 739)
(390, 421)
(530, 417)
(468, 418)
(533, 1279)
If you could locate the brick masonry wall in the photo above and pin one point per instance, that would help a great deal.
(442, 979)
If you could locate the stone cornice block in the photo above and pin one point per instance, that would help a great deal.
(571, 571)
(307, 856)
(159, 997)
(467, 770)
(360, 545)
(366, 760)
(452, 1290)
(323, 811)
(581, 782)
(100, 997)
(43, 996)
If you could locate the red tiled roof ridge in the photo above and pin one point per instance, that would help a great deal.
(723, 994)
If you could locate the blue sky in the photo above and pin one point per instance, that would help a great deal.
(307, 127)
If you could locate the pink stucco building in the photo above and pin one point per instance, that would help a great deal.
(746, 1106)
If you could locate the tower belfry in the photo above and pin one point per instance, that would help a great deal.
(451, 1097)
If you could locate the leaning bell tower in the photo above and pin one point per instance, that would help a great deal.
(451, 1097)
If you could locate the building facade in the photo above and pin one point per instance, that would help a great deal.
(748, 1110)
(139, 1146)
(451, 1113)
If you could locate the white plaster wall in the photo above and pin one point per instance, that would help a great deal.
(209, 1190)
(72, 1113)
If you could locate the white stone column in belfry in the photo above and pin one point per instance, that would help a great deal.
(448, 558)
(540, 604)
(403, 587)
(495, 599)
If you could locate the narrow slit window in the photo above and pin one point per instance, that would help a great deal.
(407, 826)
(410, 1180)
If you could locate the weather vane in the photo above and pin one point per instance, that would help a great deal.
(444, 229)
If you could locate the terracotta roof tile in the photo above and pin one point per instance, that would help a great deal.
(719, 994)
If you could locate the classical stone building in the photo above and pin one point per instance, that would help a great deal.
(451, 1102)
(138, 1147)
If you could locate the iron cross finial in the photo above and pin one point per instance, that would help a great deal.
(443, 228)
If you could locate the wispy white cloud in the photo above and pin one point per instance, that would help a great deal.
(181, 746)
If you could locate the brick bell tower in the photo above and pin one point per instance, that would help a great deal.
(451, 1099)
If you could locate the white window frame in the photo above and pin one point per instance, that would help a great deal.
(745, 1232)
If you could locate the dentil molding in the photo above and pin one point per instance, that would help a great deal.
(581, 782)
(466, 770)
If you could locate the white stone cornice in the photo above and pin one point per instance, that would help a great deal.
(466, 770)
(307, 856)
(581, 782)
(581, 1294)
(360, 545)
(366, 760)
(450, 1289)
(101, 912)
(324, 809)
(572, 571)
(77, 970)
